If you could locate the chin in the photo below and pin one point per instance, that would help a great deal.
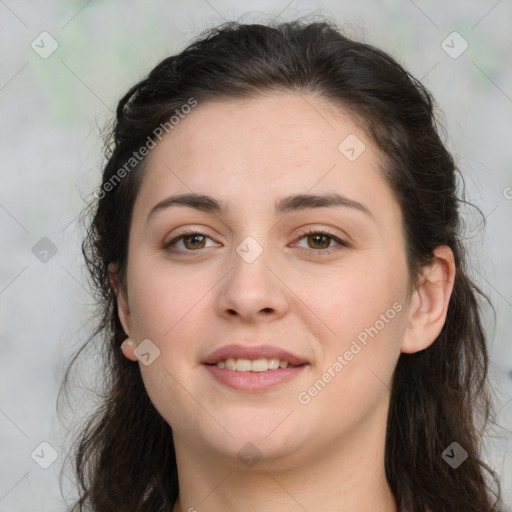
(259, 453)
(267, 438)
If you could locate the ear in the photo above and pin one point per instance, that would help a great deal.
(429, 302)
(123, 309)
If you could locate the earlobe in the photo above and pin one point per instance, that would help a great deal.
(429, 302)
(128, 349)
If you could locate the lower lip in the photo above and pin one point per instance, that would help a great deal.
(254, 381)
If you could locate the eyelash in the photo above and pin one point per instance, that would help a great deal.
(311, 231)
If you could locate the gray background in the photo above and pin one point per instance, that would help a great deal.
(51, 158)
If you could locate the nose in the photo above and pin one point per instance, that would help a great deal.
(253, 289)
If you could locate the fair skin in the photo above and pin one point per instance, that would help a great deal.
(324, 455)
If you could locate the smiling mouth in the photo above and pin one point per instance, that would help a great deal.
(261, 364)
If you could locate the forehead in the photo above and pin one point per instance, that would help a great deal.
(283, 128)
(250, 152)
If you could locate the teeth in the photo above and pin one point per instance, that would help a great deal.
(243, 365)
(257, 365)
(273, 364)
(230, 364)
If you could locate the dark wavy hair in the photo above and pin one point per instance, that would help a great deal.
(124, 456)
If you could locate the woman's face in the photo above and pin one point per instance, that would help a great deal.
(253, 276)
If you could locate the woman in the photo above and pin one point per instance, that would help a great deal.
(287, 318)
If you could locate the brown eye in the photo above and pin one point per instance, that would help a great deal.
(319, 242)
(191, 241)
(316, 240)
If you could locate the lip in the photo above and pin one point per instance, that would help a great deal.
(253, 381)
(253, 352)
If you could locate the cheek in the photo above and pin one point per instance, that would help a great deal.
(352, 298)
(161, 297)
(363, 314)
(166, 307)
(353, 377)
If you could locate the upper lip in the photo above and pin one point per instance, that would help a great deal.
(253, 352)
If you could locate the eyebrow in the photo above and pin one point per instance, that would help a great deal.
(287, 204)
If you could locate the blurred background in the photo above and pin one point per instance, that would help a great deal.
(63, 67)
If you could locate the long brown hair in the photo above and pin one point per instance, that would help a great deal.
(124, 458)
